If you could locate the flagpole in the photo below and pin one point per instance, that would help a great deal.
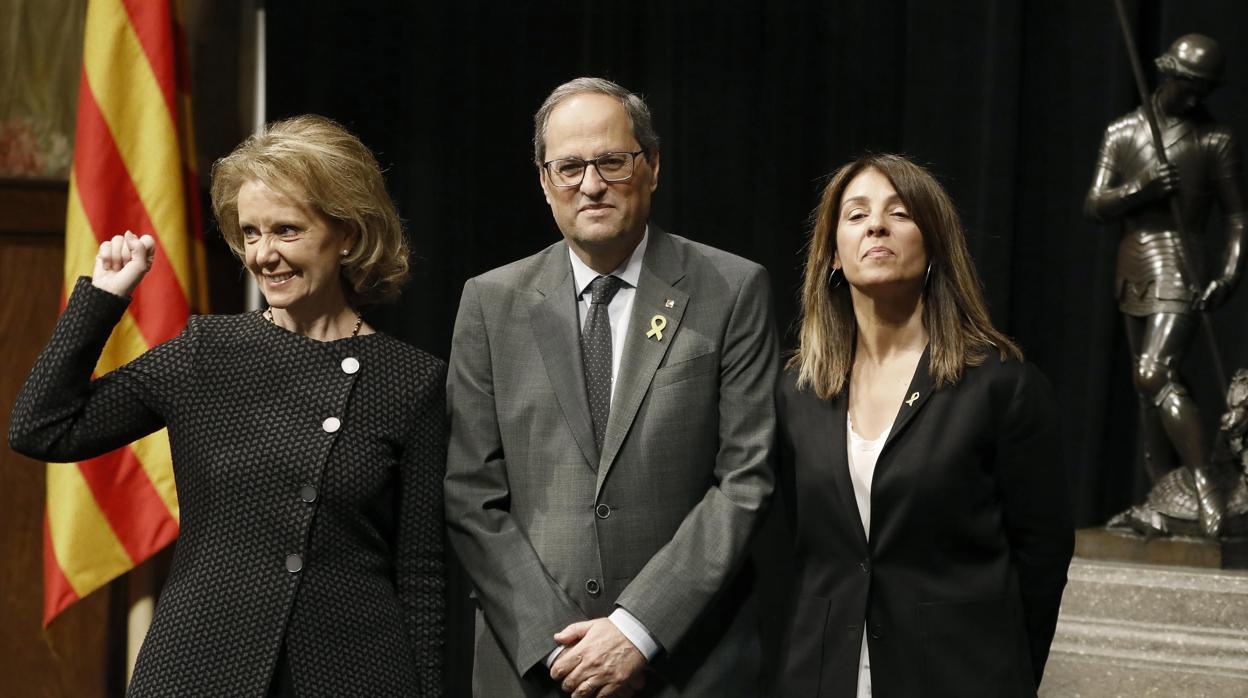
(141, 581)
(258, 117)
(141, 585)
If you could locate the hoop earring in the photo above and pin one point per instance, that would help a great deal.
(927, 277)
(834, 282)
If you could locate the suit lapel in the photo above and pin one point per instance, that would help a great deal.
(556, 330)
(642, 353)
(921, 388)
(917, 393)
(832, 438)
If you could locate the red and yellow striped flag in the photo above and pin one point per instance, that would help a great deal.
(134, 169)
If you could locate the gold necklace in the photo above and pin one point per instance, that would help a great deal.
(359, 320)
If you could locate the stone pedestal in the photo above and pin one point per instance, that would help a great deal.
(1142, 630)
(1118, 546)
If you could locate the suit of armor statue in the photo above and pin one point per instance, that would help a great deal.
(1160, 276)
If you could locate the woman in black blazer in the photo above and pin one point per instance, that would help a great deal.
(308, 449)
(918, 459)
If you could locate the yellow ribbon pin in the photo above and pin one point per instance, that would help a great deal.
(910, 402)
(657, 323)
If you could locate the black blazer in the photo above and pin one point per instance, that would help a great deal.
(322, 543)
(960, 582)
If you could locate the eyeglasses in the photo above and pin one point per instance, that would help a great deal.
(612, 167)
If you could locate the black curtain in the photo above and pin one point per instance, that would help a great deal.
(756, 102)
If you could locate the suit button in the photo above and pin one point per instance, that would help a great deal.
(307, 493)
(331, 424)
(294, 562)
(593, 587)
(602, 511)
(350, 365)
(877, 631)
(866, 568)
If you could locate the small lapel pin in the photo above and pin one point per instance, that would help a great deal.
(910, 402)
(657, 323)
(669, 303)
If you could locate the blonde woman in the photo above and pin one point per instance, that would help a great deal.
(308, 449)
(918, 459)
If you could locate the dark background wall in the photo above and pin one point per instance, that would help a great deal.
(756, 103)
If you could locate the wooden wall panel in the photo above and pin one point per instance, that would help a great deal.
(72, 657)
(83, 653)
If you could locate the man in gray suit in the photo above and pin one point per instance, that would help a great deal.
(611, 433)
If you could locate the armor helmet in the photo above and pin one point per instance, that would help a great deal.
(1193, 57)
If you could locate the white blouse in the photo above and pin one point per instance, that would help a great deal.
(862, 454)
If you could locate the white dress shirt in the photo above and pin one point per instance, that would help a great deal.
(619, 310)
(863, 454)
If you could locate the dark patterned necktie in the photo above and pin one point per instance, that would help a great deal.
(596, 352)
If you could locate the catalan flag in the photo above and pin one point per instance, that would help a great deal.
(134, 169)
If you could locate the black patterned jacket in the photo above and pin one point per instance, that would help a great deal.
(309, 478)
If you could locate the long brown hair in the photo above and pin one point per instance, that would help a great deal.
(960, 333)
